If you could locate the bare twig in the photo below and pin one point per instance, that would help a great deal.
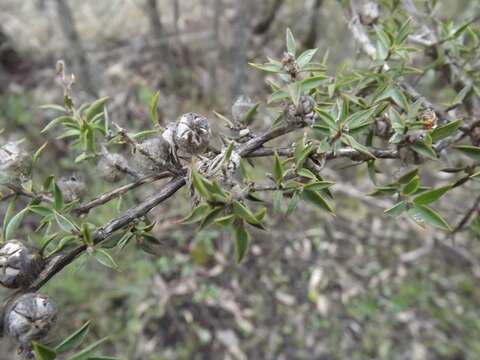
(467, 216)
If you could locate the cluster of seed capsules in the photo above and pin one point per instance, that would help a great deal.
(189, 135)
(30, 316)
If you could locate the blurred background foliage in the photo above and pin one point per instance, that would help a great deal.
(313, 286)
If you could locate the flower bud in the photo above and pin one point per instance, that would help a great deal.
(429, 119)
(72, 187)
(15, 162)
(30, 317)
(152, 155)
(192, 133)
(241, 107)
(19, 264)
(112, 167)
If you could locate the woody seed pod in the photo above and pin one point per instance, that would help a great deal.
(15, 163)
(112, 167)
(192, 133)
(72, 187)
(152, 155)
(30, 317)
(19, 264)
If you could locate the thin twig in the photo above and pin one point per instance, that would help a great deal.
(110, 195)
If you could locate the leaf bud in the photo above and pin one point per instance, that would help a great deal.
(429, 119)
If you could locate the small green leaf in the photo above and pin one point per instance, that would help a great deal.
(313, 82)
(305, 57)
(64, 223)
(9, 213)
(411, 186)
(225, 221)
(424, 150)
(197, 214)
(153, 109)
(316, 199)
(86, 353)
(396, 95)
(104, 258)
(430, 196)
(245, 213)
(384, 191)
(53, 107)
(268, 67)
(41, 210)
(249, 116)
(293, 204)
(95, 108)
(291, 44)
(472, 152)
(361, 118)
(74, 340)
(242, 239)
(277, 169)
(37, 153)
(43, 352)
(446, 130)
(211, 217)
(14, 223)
(405, 178)
(199, 184)
(397, 209)
(318, 185)
(295, 91)
(57, 121)
(422, 213)
(58, 197)
(87, 235)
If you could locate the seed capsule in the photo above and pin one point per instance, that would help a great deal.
(152, 155)
(192, 133)
(72, 187)
(30, 317)
(15, 163)
(19, 264)
(112, 167)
